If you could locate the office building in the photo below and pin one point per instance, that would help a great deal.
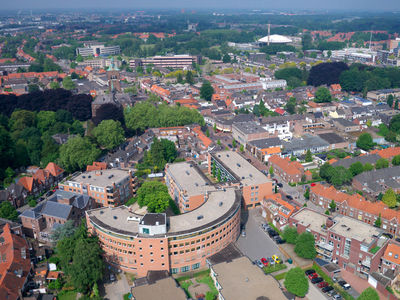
(98, 50)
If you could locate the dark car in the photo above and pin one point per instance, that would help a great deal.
(276, 180)
(243, 227)
(40, 199)
(249, 160)
(390, 236)
(316, 280)
(289, 197)
(49, 193)
(344, 285)
(308, 272)
(273, 233)
(397, 239)
(230, 146)
(327, 289)
(279, 185)
(280, 241)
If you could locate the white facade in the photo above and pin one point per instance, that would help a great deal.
(273, 84)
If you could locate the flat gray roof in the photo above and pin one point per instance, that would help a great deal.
(116, 219)
(102, 178)
(165, 289)
(240, 279)
(190, 179)
(308, 216)
(249, 127)
(352, 228)
(241, 168)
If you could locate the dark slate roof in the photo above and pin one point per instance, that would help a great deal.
(318, 115)
(331, 138)
(344, 122)
(306, 142)
(153, 276)
(375, 178)
(359, 110)
(332, 267)
(371, 158)
(16, 190)
(151, 219)
(140, 281)
(380, 278)
(266, 143)
(227, 254)
(57, 210)
(321, 262)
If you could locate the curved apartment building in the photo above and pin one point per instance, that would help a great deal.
(139, 243)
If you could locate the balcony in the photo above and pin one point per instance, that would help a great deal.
(365, 270)
(325, 246)
(324, 252)
(366, 263)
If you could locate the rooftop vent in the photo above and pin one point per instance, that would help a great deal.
(227, 155)
(242, 177)
(89, 176)
(196, 184)
(221, 203)
(187, 172)
(250, 175)
(344, 225)
(206, 183)
(115, 217)
(101, 212)
(224, 190)
(111, 176)
(191, 166)
(348, 229)
(200, 217)
(83, 176)
(238, 165)
(219, 155)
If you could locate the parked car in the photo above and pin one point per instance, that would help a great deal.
(243, 233)
(264, 262)
(331, 293)
(230, 146)
(313, 184)
(40, 199)
(259, 263)
(272, 233)
(276, 259)
(308, 272)
(242, 226)
(316, 280)
(313, 275)
(280, 185)
(337, 297)
(344, 285)
(49, 193)
(280, 241)
(289, 197)
(112, 277)
(390, 236)
(322, 284)
(271, 261)
(322, 182)
(276, 180)
(327, 289)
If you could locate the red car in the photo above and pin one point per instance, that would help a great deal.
(313, 275)
(313, 184)
(322, 284)
(264, 261)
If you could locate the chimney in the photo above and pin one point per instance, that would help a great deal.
(329, 222)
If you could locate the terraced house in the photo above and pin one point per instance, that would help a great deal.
(289, 171)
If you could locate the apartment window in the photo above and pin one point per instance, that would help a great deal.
(360, 255)
(359, 262)
(337, 252)
(252, 194)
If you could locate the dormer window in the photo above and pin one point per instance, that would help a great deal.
(390, 253)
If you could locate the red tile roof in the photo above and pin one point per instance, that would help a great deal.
(54, 169)
(12, 262)
(291, 168)
(26, 182)
(206, 141)
(389, 152)
(390, 252)
(280, 111)
(97, 166)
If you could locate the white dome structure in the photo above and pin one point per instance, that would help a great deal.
(275, 39)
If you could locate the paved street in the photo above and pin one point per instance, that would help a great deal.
(256, 244)
(114, 290)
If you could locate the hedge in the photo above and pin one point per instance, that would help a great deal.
(183, 278)
(274, 268)
(202, 273)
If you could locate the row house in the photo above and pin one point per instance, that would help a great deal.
(263, 149)
(336, 91)
(277, 211)
(15, 194)
(390, 266)
(289, 171)
(355, 206)
(310, 125)
(353, 245)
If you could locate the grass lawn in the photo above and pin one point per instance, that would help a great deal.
(208, 280)
(146, 46)
(131, 201)
(375, 249)
(280, 276)
(185, 285)
(69, 296)
(274, 268)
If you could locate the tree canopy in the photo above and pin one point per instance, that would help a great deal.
(296, 282)
(290, 234)
(7, 211)
(109, 134)
(305, 246)
(154, 195)
(365, 141)
(326, 73)
(206, 91)
(323, 95)
(389, 198)
(369, 294)
(109, 111)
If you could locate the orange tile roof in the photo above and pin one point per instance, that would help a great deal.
(392, 249)
(356, 201)
(185, 101)
(11, 262)
(89, 68)
(273, 150)
(389, 152)
(313, 104)
(26, 182)
(160, 91)
(308, 173)
(206, 141)
(54, 169)
(290, 168)
(41, 175)
(331, 161)
(97, 166)
(336, 87)
(52, 275)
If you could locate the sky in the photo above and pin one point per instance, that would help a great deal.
(313, 5)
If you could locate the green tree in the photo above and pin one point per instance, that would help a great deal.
(33, 88)
(21, 119)
(7, 211)
(241, 149)
(233, 143)
(356, 168)
(68, 84)
(210, 296)
(369, 123)
(109, 134)
(305, 246)
(329, 53)
(77, 153)
(179, 78)
(323, 95)
(365, 141)
(369, 294)
(271, 170)
(394, 124)
(32, 203)
(206, 91)
(339, 176)
(21, 154)
(87, 267)
(219, 175)
(378, 222)
(296, 282)
(381, 163)
(290, 234)
(154, 195)
(130, 90)
(324, 170)
(62, 232)
(10, 173)
(396, 104)
(308, 156)
(226, 59)
(390, 100)
(189, 77)
(208, 133)
(54, 85)
(368, 167)
(389, 198)
(169, 150)
(219, 142)
(215, 127)
(396, 160)
(383, 129)
(79, 58)
(327, 212)
(307, 193)
(291, 105)
(391, 137)
(214, 169)
(45, 119)
(332, 205)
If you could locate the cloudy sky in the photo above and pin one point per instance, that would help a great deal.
(133, 5)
